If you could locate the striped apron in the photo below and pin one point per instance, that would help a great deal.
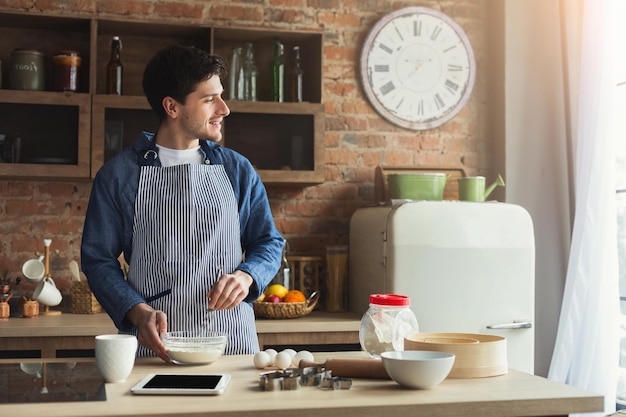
(186, 230)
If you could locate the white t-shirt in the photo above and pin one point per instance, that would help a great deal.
(170, 157)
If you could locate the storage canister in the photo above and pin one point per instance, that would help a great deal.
(27, 70)
(66, 71)
(385, 324)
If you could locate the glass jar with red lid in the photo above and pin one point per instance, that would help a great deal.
(387, 321)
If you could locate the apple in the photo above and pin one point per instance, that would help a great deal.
(273, 299)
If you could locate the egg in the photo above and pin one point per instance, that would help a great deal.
(291, 352)
(272, 353)
(261, 360)
(283, 360)
(303, 355)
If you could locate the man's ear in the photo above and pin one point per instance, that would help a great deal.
(170, 106)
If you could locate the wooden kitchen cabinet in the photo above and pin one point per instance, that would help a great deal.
(284, 141)
(53, 127)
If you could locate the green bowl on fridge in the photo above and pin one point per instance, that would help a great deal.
(427, 186)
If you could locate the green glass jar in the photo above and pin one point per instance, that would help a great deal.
(27, 71)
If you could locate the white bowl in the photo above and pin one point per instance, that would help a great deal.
(417, 368)
(194, 348)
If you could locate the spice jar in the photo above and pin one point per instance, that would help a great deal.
(385, 324)
(30, 308)
(66, 71)
(5, 310)
(27, 70)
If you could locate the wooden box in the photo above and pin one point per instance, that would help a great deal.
(381, 186)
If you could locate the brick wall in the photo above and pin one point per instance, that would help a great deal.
(356, 138)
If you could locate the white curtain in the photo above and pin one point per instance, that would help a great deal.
(586, 352)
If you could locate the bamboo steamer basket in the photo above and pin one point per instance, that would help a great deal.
(477, 355)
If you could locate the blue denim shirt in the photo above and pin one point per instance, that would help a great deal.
(108, 229)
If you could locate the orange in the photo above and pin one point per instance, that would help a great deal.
(294, 296)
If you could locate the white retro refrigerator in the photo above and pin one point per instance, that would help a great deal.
(467, 267)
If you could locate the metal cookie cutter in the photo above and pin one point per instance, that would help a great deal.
(291, 383)
(271, 381)
(312, 376)
(294, 378)
(336, 383)
(287, 380)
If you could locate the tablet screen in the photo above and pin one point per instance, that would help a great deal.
(199, 384)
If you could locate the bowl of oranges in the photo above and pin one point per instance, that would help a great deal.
(278, 302)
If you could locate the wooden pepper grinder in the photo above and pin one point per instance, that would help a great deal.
(46, 257)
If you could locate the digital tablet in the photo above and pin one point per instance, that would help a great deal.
(182, 384)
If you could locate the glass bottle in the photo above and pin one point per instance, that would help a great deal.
(386, 323)
(285, 267)
(283, 276)
(278, 72)
(337, 279)
(235, 84)
(115, 69)
(250, 75)
(297, 76)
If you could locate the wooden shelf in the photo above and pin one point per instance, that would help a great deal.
(57, 145)
(263, 131)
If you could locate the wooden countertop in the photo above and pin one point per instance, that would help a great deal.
(49, 334)
(65, 324)
(514, 394)
(68, 324)
(316, 321)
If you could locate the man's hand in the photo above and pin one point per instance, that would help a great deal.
(230, 290)
(150, 324)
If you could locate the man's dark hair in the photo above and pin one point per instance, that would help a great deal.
(175, 71)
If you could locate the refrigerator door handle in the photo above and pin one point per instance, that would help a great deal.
(517, 324)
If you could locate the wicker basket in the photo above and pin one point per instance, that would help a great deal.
(83, 300)
(285, 310)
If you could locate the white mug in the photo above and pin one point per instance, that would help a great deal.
(47, 293)
(34, 269)
(115, 356)
(33, 368)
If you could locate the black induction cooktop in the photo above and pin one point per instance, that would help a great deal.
(41, 382)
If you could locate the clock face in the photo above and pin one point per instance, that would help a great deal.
(417, 68)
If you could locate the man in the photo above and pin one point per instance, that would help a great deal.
(191, 218)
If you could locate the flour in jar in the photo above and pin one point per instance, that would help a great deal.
(385, 324)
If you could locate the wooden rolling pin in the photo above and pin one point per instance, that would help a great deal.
(351, 368)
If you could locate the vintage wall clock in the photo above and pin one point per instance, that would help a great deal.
(417, 68)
